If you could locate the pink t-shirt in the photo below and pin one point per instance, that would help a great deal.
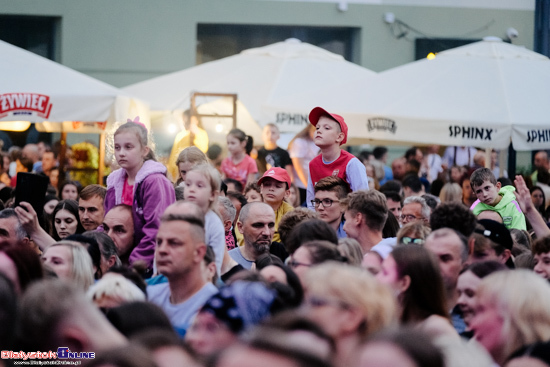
(239, 171)
(127, 193)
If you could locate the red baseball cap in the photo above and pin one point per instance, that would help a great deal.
(276, 173)
(316, 114)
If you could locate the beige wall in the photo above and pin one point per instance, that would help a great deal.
(125, 41)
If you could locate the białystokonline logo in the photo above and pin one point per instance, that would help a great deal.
(62, 353)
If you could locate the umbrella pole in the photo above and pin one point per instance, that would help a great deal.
(488, 158)
(101, 163)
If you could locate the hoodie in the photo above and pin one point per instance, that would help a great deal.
(153, 193)
(507, 207)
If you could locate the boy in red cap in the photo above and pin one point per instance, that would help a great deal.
(275, 188)
(332, 132)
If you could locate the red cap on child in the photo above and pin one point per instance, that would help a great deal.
(316, 114)
(276, 173)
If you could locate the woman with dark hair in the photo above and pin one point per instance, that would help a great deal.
(313, 253)
(66, 220)
(468, 282)
(309, 230)
(539, 200)
(70, 190)
(274, 271)
(391, 227)
(413, 274)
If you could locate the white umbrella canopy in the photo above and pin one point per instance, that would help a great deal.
(36, 89)
(261, 78)
(483, 94)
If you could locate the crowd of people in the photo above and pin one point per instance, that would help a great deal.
(305, 257)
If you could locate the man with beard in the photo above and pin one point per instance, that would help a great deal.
(257, 224)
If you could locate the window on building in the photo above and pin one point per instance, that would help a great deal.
(32, 33)
(425, 46)
(216, 41)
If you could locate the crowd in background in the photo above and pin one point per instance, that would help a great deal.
(308, 256)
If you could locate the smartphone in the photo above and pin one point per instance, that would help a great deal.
(31, 188)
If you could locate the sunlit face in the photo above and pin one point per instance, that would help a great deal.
(300, 262)
(198, 190)
(183, 168)
(65, 223)
(60, 259)
(467, 286)
(331, 214)
(467, 192)
(350, 226)
(119, 225)
(91, 212)
(294, 196)
(487, 325)
(270, 134)
(48, 161)
(54, 178)
(372, 262)
(328, 132)
(537, 198)
(176, 252)
(542, 265)
(411, 212)
(273, 274)
(208, 334)
(273, 191)
(50, 206)
(253, 196)
(129, 152)
(234, 145)
(70, 192)
(389, 273)
(488, 192)
(395, 208)
(448, 250)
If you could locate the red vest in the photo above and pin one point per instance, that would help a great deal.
(319, 170)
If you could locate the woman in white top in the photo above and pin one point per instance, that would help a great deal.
(302, 150)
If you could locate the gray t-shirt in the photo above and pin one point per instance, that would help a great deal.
(238, 257)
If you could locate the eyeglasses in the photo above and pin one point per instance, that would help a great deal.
(414, 241)
(408, 217)
(327, 203)
(294, 264)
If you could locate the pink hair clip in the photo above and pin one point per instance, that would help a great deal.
(136, 121)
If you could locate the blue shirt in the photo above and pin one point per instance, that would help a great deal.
(181, 315)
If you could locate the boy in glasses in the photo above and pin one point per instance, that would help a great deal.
(328, 193)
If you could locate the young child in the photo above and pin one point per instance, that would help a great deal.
(141, 183)
(275, 188)
(491, 197)
(271, 155)
(252, 193)
(331, 132)
(202, 187)
(239, 165)
(187, 159)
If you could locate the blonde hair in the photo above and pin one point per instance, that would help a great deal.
(82, 268)
(142, 134)
(351, 250)
(521, 298)
(214, 179)
(416, 229)
(116, 287)
(451, 192)
(357, 289)
(192, 155)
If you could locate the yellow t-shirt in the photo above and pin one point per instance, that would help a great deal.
(283, 209)
(182, 141)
